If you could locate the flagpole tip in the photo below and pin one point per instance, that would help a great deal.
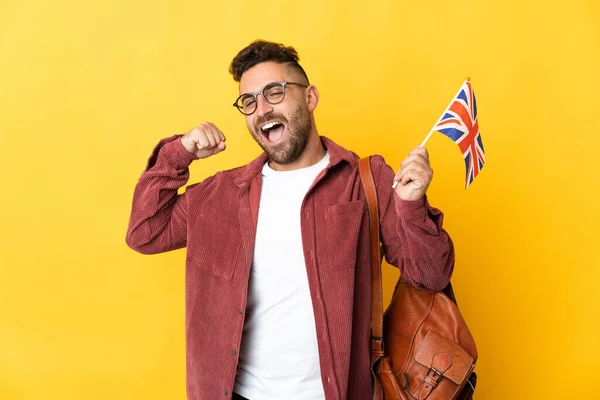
(468, 79)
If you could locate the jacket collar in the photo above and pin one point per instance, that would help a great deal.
(337, 154)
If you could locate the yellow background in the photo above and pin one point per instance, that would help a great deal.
(88, 88)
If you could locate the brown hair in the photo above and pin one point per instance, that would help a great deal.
(261, 51)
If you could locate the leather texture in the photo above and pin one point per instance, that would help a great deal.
(421, 348)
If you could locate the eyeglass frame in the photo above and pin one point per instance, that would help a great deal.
(260, 92)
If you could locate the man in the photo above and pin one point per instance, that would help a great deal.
(277, 271)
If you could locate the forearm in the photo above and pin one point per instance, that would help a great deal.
(158, 216)
(426, 254)
(412, 236)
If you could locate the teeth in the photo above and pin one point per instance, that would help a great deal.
(269, 125)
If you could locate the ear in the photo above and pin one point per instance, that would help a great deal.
(312, 97)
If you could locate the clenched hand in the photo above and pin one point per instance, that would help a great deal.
(204, 141)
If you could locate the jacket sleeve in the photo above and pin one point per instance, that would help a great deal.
(412, 235)
(158, 220)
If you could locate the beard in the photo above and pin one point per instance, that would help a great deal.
(291, 147)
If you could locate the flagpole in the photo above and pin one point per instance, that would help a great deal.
(438, 121)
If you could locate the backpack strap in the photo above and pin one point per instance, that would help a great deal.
(368, 184)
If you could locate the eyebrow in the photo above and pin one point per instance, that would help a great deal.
(253, 93)
(263, 86)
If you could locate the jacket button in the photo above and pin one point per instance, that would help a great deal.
(240, 311)
(225, 391)
(233, 351)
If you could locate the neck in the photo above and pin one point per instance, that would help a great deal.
(312, 154)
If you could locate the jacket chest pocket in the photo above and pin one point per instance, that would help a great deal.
(341, 235)
(213, 245)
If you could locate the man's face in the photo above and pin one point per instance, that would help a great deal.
(282, 129)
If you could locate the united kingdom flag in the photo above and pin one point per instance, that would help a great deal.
(459, 123)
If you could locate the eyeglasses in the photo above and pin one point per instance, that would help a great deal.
(273, 93)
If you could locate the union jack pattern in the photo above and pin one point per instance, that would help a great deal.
(460, 124)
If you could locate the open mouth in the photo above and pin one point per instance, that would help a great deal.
(273, 131)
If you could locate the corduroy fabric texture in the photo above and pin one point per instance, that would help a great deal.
(216, 221)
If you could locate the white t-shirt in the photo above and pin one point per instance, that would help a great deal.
(279, 358)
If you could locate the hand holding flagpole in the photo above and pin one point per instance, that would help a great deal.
(436, 126)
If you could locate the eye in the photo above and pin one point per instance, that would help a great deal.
(274, 92)
(248, 101)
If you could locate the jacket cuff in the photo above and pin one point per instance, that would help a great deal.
(172, 151)
(411, 209)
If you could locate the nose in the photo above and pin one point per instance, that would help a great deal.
(262, 107)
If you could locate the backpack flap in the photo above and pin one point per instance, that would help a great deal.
(444, 357)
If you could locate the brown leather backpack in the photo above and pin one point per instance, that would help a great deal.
(429, 352)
